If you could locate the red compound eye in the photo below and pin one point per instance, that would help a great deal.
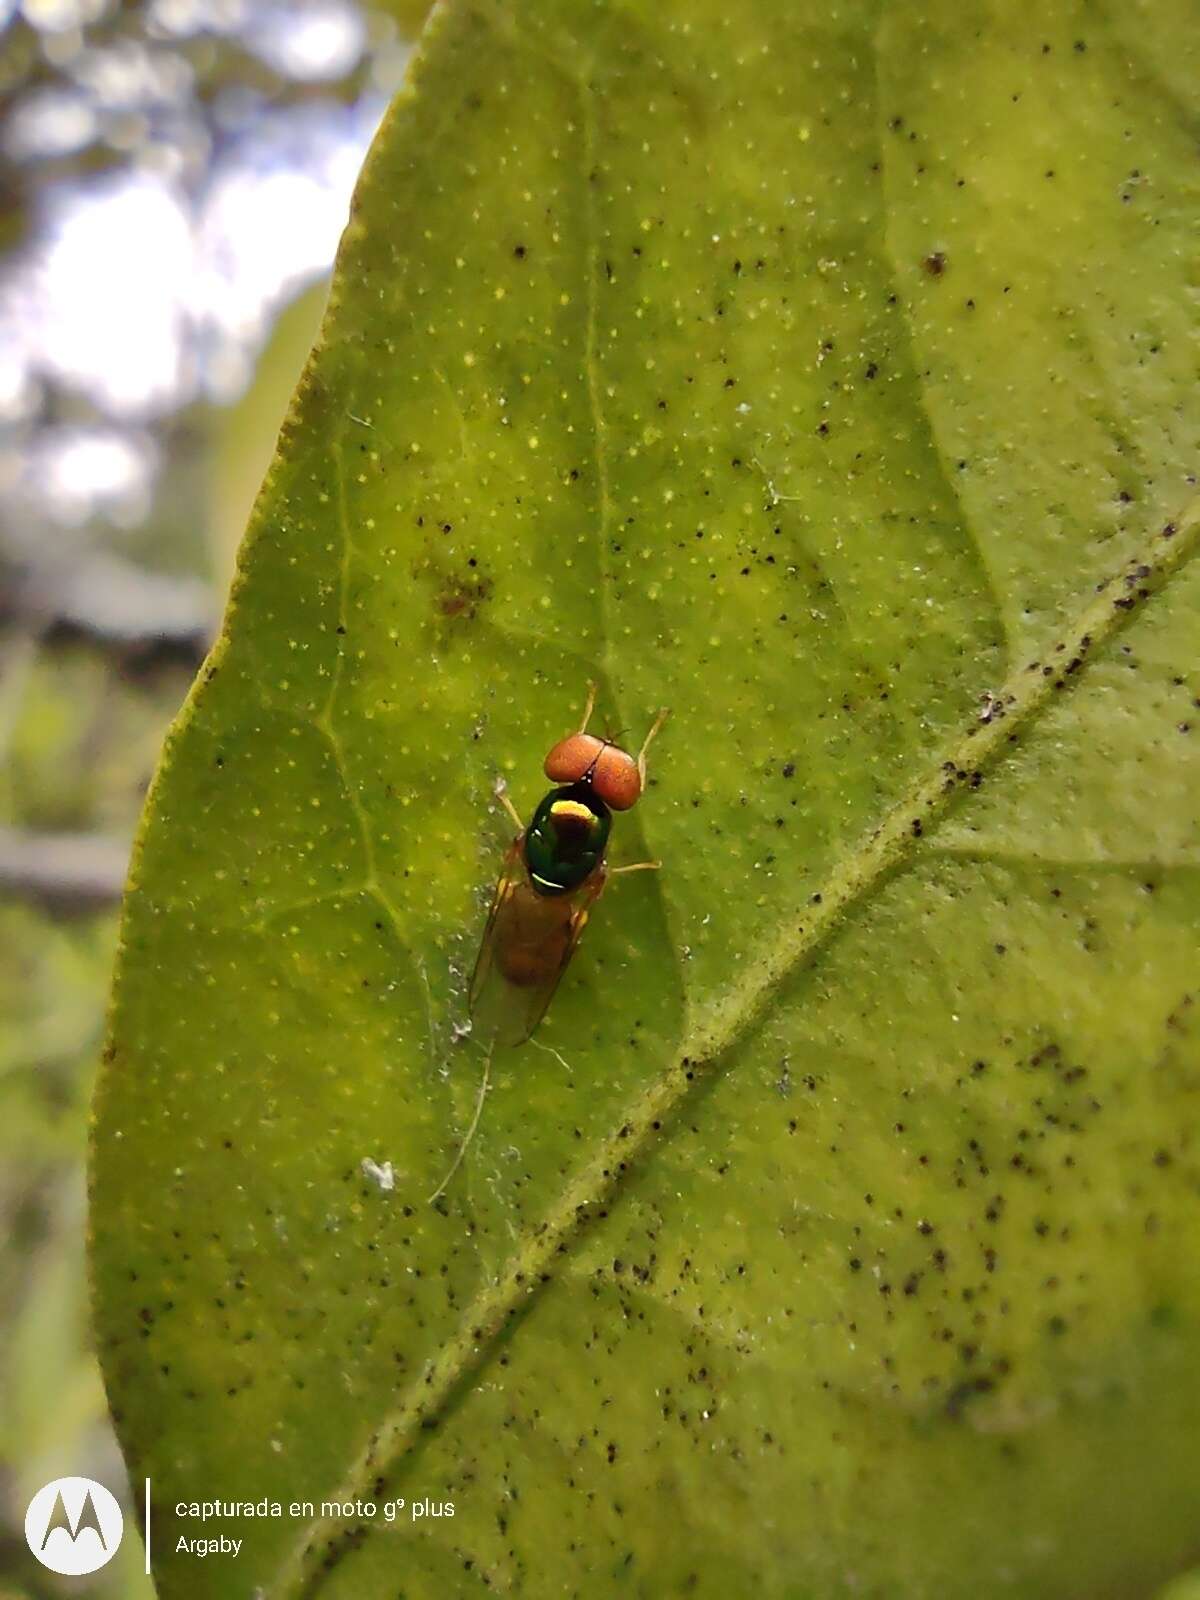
(616, 779)
(611, 771)
(572, 757)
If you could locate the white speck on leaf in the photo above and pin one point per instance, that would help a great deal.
(382, 1175)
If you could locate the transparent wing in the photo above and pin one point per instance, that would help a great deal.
(527, 943)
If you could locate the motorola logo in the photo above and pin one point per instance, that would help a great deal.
(74, 1526)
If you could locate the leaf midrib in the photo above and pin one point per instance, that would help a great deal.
(888, 849)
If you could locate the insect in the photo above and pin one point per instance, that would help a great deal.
(553, 873)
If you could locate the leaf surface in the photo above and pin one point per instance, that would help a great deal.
(827, 376)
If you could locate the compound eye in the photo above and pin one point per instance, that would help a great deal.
(616, 779)
(571, 757)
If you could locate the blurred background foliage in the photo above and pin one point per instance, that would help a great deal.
(174, 175)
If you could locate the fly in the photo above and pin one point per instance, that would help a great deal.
(554, 872)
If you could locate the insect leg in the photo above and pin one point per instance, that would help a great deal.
(500, 790)
(470, 1133)
(589, 708)
(636, 866)
(551, 1051)
(512, 811)
(641, 760)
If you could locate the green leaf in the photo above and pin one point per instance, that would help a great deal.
(827, 375)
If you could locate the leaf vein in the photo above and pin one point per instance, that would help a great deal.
(326, 720)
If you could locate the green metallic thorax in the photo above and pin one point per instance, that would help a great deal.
(564, 844)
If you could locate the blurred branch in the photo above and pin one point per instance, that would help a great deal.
(117, 603)
(69, 871)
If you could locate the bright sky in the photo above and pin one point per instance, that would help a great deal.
(139, 293)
